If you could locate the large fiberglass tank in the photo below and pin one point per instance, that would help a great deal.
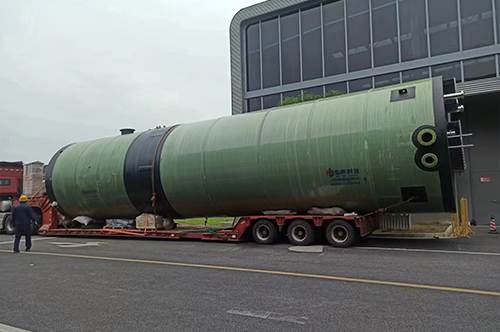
(360, 152)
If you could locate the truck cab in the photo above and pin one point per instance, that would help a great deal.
(11, 181)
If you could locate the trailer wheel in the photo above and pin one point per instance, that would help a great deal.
(265, 232)
(300, 233)
(340, 233)
(8, 225)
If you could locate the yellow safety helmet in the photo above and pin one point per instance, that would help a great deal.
(23, 199)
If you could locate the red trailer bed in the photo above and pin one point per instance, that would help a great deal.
(341, 230)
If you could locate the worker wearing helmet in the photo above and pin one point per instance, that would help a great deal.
(22, 217)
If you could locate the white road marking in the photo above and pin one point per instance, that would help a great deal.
(76, 245)
(270, 272)
(269, 315)
(7, 328)
(307, 249)
(433, 251)
(33, 239)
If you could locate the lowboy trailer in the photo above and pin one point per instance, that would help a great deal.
(339, 230)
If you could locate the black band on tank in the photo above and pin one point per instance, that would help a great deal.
(445, 175)
(166, 208)
(48, 178)
(139, 172)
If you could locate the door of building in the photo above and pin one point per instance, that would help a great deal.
(486, 197)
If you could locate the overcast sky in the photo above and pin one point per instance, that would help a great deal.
(77, 70)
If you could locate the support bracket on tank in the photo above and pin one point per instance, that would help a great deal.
(454, 133)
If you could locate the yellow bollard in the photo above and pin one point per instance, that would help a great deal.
(460, 220)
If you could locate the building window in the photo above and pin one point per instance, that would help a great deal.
(415, 74)
(335, 89)
(448, 71)
(443, 26)
(290, 48)
(270, 53)
(253, 57)
(271, 101)
(4, 182)
(360, 85)
(477, 23)
(387, 79)
(312, 93)
(497, 10)
(254, 104)
(479, 68)
(413, 29)
(334, 38)
(294, 93)
(358, 35)
(312, 66)
(385, 32)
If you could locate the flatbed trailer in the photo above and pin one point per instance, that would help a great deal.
(339, 230)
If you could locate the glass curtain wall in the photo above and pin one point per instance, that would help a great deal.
(270, 53)
(413, 29)
(476, 21)
(290, 48)
(358, 34)
(443, 26)
(339, 37)
(385, 32)
(334, 38)
(312, 56)
(253, 57)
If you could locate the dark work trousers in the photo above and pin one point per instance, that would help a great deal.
(20, 231)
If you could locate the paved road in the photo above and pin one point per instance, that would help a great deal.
(142, 286)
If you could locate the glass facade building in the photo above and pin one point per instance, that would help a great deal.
(319, 48)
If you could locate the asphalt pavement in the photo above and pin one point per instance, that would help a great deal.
(96, 284)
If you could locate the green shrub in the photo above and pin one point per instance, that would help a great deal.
(307, 96)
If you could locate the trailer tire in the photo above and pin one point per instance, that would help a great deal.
(341, 234)
(9, 225)
(300, 233)
(265, 232)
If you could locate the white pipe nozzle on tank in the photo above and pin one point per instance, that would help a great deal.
(454, 95)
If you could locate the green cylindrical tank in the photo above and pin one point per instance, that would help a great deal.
(353, 151)
(360, 152)
(88, 180)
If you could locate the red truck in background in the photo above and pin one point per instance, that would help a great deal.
(13, 176)
(11, 187)
(11, 180)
